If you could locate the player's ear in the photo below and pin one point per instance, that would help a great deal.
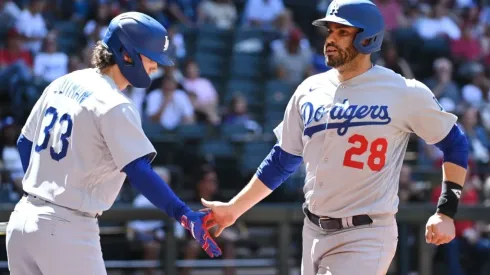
(366, 42)
(127, 59)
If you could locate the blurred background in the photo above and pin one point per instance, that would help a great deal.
(211, 118)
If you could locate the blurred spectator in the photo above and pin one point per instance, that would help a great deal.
(16, 70)
(207, 187)
(476, 135)
(485, 44)
(290, 61)
(262, 13)
(442, 84)
(184, 11)
(392, 13)
(176, 49)
(94, 29)
(435, 27)
(9, 13)
(285, 22)
(391, 60)
(435, 23)
(466, 48)
(473, 92)
(169, 105)
(202, 93)
(31, 24)
(486, 191)
(220, 13)
(410, 190)
(13, 51)
(238, 114)
(50, 63)
(154, 8)
(9, 132)
(81, 9)
(152, 233)
(468, 17)
(75, 63)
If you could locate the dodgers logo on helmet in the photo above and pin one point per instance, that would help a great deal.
(334, 8)
(362, 14)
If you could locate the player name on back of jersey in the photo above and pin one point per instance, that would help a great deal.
(77, 96)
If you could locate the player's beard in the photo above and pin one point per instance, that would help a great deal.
(342, 57)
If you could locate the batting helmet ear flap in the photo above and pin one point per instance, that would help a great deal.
(134, 71)
(366, 43)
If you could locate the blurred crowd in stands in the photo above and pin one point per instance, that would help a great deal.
(237, 64)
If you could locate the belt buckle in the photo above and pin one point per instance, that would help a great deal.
(320, 222)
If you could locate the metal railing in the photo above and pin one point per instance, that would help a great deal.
(284, 216)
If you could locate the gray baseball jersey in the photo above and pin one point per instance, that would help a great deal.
(84, 131)
(353, 137)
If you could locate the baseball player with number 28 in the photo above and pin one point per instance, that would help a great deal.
(350, 126)
(81, 140)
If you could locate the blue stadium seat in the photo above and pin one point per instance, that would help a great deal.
(248, 88)
(233, 131)
(216, 148)
(247, 66)
(212, 65)
(272, 118)
(253, 154)
(215, 40)
(242, 34)
(152, 129)
(277, 94)
(192, 131)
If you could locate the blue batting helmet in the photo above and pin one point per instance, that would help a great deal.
(135, 33)
(362, 14)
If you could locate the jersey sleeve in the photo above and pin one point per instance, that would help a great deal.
(124, 136)
(289, 132)
(29, 129)
(426, 117)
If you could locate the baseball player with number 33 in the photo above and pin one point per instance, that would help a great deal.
(81, 140)
(351, 126)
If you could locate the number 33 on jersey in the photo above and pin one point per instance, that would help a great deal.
(58, 128)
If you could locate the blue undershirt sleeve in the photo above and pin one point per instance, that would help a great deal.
(24, 146)
(157, 191)
(277, 167)
(455, 147)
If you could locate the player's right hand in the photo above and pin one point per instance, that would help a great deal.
(223, 214)
(198, 223)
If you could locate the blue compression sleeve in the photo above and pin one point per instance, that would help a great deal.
(24, 146)
(277, 167)
(455, 147)
(146, 181)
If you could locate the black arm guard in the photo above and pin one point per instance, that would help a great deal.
(449, 199)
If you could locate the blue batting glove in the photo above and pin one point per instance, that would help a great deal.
(198, 223)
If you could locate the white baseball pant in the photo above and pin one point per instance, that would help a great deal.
(43, 238)
(366, 249)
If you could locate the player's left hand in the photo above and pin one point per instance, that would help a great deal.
(198, 223)
(439, 229)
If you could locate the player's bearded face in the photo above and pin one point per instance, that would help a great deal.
(341, 56)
